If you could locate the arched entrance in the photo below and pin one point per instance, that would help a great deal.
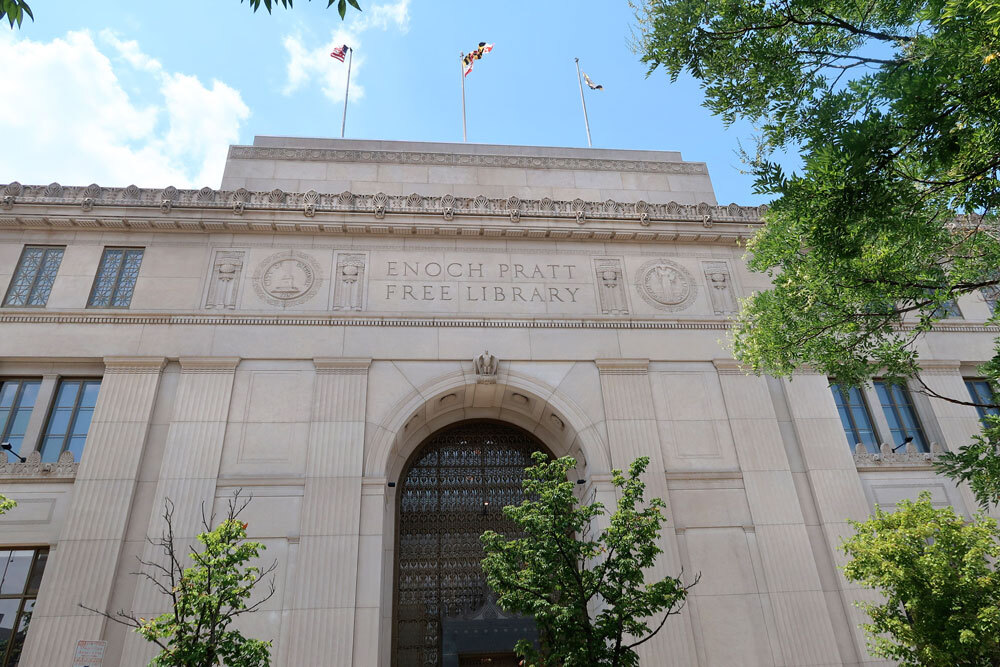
(451, 491)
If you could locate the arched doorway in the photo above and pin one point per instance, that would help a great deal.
(452, 490)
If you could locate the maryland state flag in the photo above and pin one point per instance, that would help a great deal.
(475, 55)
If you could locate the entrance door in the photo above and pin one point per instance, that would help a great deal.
(452, 491)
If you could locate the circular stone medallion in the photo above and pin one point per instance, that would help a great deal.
(665, 285)
(287, 278)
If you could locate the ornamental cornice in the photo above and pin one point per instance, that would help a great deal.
(622, 366)
(134, 364)
(888, 457)
(340, 320)
(34, 470)
(209, 364)
(343, 366)
(462, 160)
(55, 207)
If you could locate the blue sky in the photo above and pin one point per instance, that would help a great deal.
(122, 91)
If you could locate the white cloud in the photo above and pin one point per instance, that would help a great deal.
(73, 120)
(314, 66)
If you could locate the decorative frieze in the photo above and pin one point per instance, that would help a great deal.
(33, 469)
(889, 457)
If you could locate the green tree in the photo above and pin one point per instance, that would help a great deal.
(205, 597)
(15, 10)
(894, 108)
(940, 584)
(585, 588)
(6, 504)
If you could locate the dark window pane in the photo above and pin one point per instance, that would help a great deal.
(8, 616)
(854, 416)
(70, 421)
(14, 571)
(37, 571)
(22, 630)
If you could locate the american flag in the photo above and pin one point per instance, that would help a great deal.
(339, 52)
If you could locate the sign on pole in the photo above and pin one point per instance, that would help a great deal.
(89, 653)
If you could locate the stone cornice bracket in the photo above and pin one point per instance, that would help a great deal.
(940, 367)
(622, 366)
(209, 364)
(730, 367)
(345, 366)
(134, 364)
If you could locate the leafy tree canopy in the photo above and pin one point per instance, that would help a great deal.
(895, 110)
(940, 583)
(15, 10)
(6, 504)
(585, 587)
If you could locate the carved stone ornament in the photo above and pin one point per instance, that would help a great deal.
(53, 190)
(642, 210)
(611, 292)
(514, 207)
(908, 456)
(346, 198)
(33, 467)
(348, 290)
(379, 203)
(719, 283)
(287, 278)
(131, 193)
(224, 283)
(486, 366)
(665, 285)
(167, 197)
(580, 210)
(240, 200)
(276, 196)
(310, 201)
(414, 200)
(448, 204)
(206, 195)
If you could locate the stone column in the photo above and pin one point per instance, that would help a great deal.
(830, 490)
(82, 568)
(326, 585)
(632, 432)
(790, 582)
(188, 475)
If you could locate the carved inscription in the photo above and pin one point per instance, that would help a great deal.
(505, 282)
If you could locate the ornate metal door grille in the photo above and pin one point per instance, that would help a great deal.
(453, 490)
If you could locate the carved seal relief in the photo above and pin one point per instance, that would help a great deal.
(665, 285)
(287, 278)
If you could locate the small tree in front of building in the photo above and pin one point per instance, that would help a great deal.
(586, 588)
(6, 504)
(206, 597)
(938, 578)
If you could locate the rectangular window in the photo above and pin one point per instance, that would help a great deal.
(20, 575)
(17, 398)
(33, 277)
(991, 295)
(898, 408)
(855, 417)
(947, 310)
(116, 276)
(981, 392)
(70, 418)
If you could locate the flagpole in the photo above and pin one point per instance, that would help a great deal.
(461, 69)
(583, 101)
(347, 90)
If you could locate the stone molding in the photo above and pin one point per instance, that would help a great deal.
(339, 320)
(35, 471)
(730, 367)
(134, 364)
(209, 364)
(622, 366)
(940, 367)
(462, 159)
(888, 458)
(136, 204)
(345, 366)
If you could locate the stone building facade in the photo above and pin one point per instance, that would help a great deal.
(339, 318)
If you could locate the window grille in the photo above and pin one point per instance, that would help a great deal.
(116, 276)
(33, 278)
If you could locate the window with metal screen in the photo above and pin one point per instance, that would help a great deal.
(116, 276)
(70, 418)
(854, 417)
(33, 278)
(20, 575)
(990, 295)
(982, 393)
(17, 398)
(453, 490)
(897, 406)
